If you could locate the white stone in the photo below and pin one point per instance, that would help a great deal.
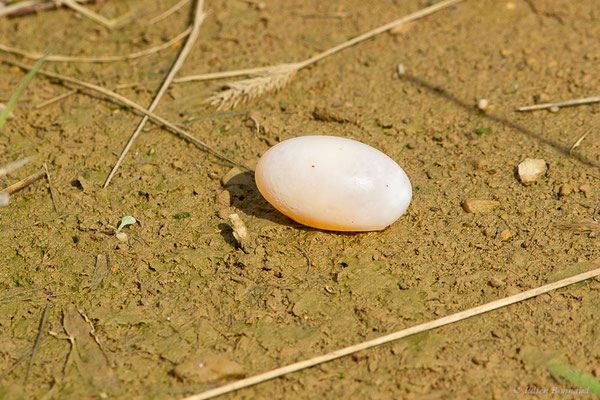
(333, 183)
(531, 170)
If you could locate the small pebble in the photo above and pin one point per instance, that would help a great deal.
(178, 164)
(479, 360)
(479, 163)
(229, 175)
(596, 372)
(240, 232)
(554, 109)
(496, 283)
(223, 198)
(531, 170)
(400, 70)
(505, 235)
(541, 98)
(122, 236)
(479, 206)
(585, 189)
(483, 104)
(565, 190)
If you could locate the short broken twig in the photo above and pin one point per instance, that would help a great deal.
(52, 192)
(566, 103)
(24, 182)
(578, 142)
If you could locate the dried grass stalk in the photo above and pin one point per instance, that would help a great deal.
(248, 90)
(271, 79)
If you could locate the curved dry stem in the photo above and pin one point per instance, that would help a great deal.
(98, 59)
(167, 13)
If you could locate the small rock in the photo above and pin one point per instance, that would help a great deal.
(479, 163)
(585, 189)
(505, 235)
(479, 359)
(483, 104)
(400, 70)
(554, 109)
(531, 170)
(240, 232)
(479, 206)
(489, 232)
(496, 283)
(565, 190)
(203, 369)
(178, 165)
(122, 236)
(223, 198)
(541, 98)
(596, 372)
(229, 175)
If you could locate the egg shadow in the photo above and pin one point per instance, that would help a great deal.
(246, 197)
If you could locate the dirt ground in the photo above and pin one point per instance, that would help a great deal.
(136, 319)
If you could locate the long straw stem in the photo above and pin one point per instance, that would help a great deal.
(494, 305)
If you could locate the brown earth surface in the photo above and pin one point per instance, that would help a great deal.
(136, 319)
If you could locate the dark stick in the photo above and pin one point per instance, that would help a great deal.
(24, 183)
(37, 341)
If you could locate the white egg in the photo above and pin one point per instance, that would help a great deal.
(333, 183)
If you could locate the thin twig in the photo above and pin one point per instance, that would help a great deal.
(124, 100)
(17, 8)
(578, 142)
(494, 305)
(566, 103)
(7, 169)
(52, 193)
(16, 364)
(97, 59)
(28, 7)
(107, 23)
(24, 182)
(168, 12)
(55, 99)
(38, 339)
(276, 77)
(198, 18)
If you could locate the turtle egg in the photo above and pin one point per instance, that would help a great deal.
(333, 183)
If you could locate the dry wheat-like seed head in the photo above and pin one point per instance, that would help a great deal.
(584, 226)
(247, 90)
